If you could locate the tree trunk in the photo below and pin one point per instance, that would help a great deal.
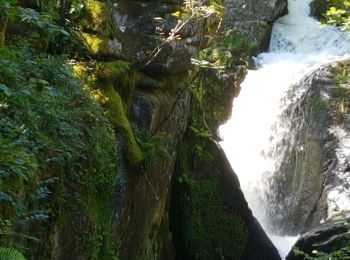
(3, 25)
(63, 5)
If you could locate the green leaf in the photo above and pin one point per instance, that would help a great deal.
(5, 89)
(10, 254)
(26, 92)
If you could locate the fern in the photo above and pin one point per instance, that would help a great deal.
(10, 254)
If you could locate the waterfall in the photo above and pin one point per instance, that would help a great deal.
(257, 136)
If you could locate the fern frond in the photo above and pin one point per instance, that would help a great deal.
(10, 254)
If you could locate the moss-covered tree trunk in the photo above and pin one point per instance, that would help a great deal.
(3, 25)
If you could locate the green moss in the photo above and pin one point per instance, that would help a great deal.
(94, 17)
(94, 43)
(112, 84)
(117, 116)
(119, 74)
(112, 71)
(211, 231)
(101, 236)
(203, 225)
(207, 228)
(95, 23)
(97, 45)
(341, 92)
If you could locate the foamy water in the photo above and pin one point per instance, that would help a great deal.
(299, 45)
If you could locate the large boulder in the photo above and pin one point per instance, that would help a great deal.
(161, 117)
(316, 161)
(209, 216)
(254, 19)
(159, 114)
(142, 28)
(327, 237)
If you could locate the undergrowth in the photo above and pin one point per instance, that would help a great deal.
(54, 141)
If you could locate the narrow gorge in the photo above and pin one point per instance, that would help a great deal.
(173, 129)
(284, 123)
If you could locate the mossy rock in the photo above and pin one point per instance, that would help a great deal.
(112, 84)
(100, 46)
(112, 71)
(117, 116)
(205, 226)
(212, 230)
(120, 75)
(96, 16)
(318, 9)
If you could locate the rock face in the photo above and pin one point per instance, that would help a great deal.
(138, 33)
(146, 90)
(158, 110)
(329, 236)
(146, 196)
(316, 160)
(254, 19)
(161, 105)
(209, 216)
(310, 190)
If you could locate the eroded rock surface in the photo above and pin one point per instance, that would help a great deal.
(161, 104)
(254, 19)
(209, 216)
(142, 25)
(326, 237)
(312, 183)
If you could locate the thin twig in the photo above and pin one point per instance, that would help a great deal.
(173, 36)
(152, 188)
(173, 106)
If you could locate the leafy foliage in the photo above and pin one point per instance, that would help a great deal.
(342, 253)
(8, 9)
(336, 12)
(10, 254)
(51, 135)
(42, 21)
(339, 13)
(229, 49)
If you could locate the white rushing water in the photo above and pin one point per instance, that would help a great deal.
(299, 44)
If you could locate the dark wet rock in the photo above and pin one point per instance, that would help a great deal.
(255, 245)
(147, 82)
(259, 246)
(327, 237)
(318, 9)
(219, 89)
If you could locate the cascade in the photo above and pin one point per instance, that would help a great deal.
(258, 135)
